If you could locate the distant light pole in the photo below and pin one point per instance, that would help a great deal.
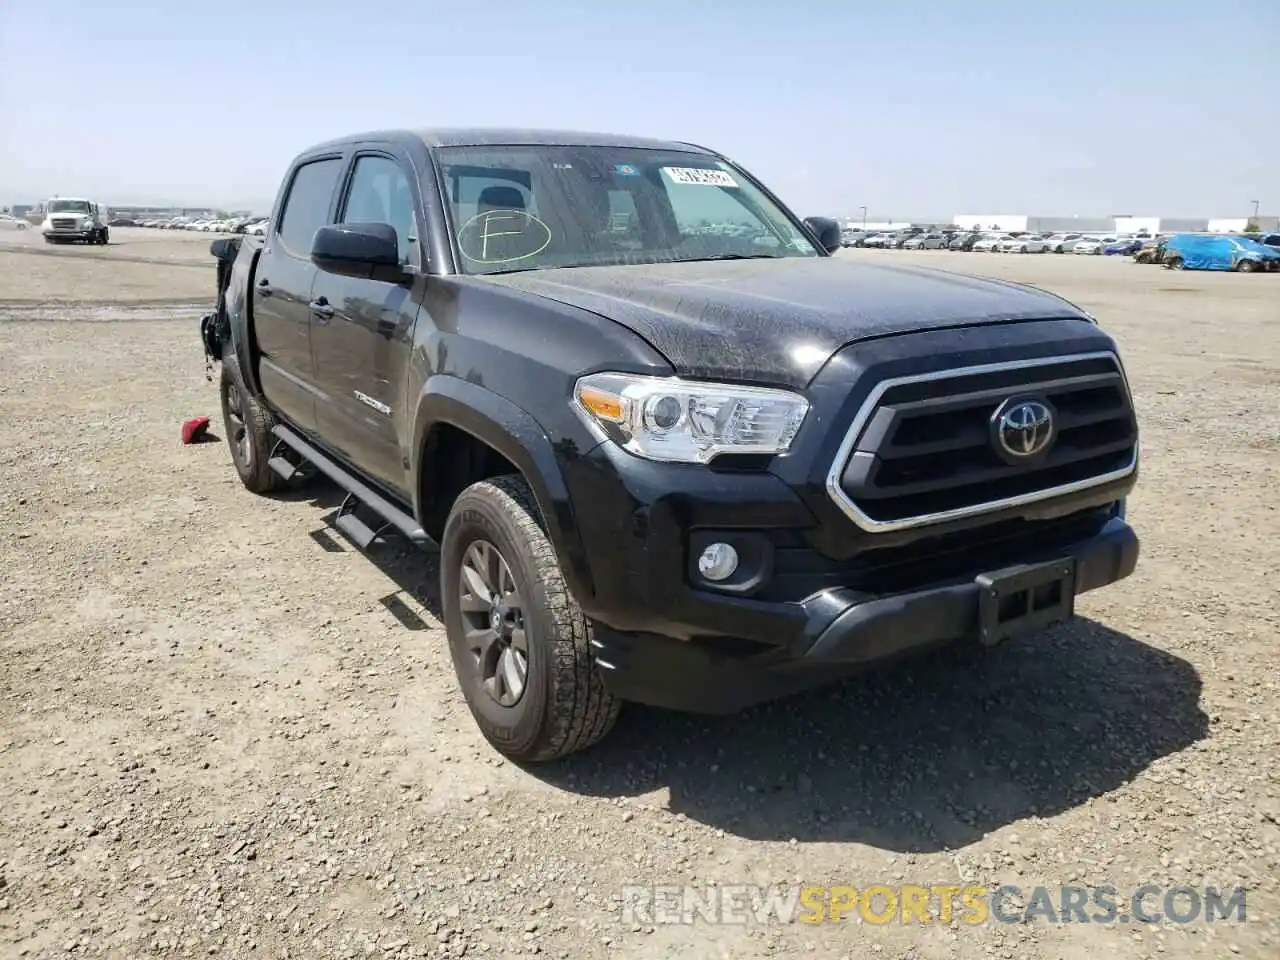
(864, 217)
(1255, 209)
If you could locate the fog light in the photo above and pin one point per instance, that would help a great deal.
(718, 561)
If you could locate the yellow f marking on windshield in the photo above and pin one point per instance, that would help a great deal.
(489, 219)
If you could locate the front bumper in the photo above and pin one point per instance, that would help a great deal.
(838, 632)
(814, 593)
(81, 234)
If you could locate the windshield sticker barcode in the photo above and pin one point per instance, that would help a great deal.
(698, 177)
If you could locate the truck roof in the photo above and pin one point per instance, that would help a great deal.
(511, 136)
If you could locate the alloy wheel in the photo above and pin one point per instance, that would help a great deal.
(493, 620)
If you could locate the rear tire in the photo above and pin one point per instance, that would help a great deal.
(524, 662)
(1174, 263)
(1247, 266)
(248, 425)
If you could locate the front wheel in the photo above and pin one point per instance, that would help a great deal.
(520, 645)
(1174, 263)
(104, 237)
(1247, 266)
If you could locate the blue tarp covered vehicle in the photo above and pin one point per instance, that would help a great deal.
(1197, 251)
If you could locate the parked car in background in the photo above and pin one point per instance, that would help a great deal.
(1092, 246)
(1197, 251)
(964, 241)
(902, 239)
(1027, 243)
(924, 241)
(12, 223)
(1152, 252)
(1057, 243)
(1069, 246)
(879, 240)
(990, 243)
(1271, 240)
(1124, 246)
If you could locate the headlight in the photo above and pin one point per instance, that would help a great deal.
(687, 421)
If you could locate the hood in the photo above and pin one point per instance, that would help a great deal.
(778, 321)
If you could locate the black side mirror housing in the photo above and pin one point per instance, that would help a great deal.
(826, 230)
(366, 251)
(225, 248)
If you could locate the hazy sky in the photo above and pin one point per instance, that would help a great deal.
(931, 107)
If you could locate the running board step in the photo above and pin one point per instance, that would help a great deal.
(283, 467)
(356, 529)
(358, 493)
(350, 523)
(281, 462)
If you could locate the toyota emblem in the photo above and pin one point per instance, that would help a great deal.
(1023, 428)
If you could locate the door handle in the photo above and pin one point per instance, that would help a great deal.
(320, 309)
(264, 287)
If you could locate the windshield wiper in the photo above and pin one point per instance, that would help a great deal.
(732, 256)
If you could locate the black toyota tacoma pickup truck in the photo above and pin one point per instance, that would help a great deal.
(671, 449)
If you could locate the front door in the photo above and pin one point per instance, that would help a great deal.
(362, 331)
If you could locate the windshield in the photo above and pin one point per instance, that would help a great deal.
(68, 206)
(534, 207)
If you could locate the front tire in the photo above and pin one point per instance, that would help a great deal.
(1247, 266)
(248, 425)
(521, 647)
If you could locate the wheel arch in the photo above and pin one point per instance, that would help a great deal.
(464, 433)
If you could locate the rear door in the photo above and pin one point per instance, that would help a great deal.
(282, 291)
(362, 329)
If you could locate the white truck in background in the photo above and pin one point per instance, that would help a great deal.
(73, 218)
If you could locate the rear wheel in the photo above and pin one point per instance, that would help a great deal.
(521, 647)
(1247, 266)
(248, 424)
(1174, 263)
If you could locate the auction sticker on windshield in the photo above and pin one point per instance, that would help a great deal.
(699, 177)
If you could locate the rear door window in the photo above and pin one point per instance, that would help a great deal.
(306, 208)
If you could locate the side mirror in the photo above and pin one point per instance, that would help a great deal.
(225, 248)
(826, 230)
(367, 251)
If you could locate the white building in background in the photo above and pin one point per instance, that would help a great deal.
(1115, 225)
(879, 225)
(1228, 224)
(1022, 222)
(1131, 225)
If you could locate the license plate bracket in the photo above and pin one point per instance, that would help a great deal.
(1021, 599)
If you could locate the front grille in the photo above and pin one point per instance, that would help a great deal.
(922, 449)
(65, 223)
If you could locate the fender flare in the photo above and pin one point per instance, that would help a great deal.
(515, 434)
(238, 304)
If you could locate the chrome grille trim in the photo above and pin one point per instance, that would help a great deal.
(837, 493)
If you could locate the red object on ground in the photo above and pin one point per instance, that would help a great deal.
(194, 429)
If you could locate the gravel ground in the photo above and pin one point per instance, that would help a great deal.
(223, 731)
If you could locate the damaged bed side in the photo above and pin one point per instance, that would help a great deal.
(227, 326)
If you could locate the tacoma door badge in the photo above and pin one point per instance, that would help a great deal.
(370, 402)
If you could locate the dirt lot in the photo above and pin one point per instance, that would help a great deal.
(223, 731)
